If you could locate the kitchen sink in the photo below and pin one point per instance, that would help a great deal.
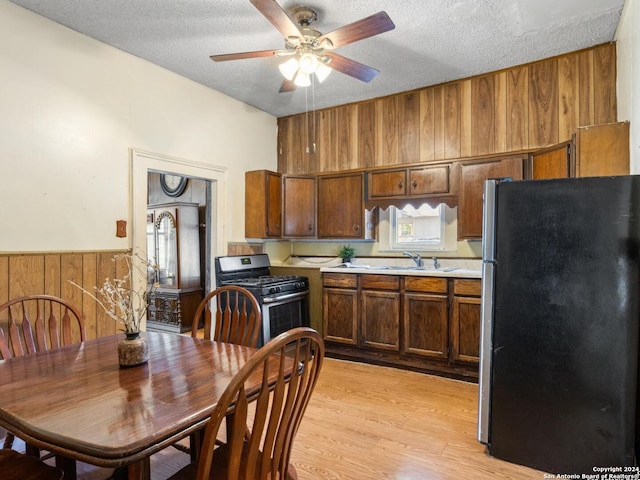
(396, 267)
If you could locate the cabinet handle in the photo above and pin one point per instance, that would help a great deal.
(356, 228)
(400, 185)
(414, 184)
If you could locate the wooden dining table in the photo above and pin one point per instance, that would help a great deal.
(78, 403)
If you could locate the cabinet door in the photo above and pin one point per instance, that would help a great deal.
(299, 206)
(465, 330)
(340, 315)
(426, 317)
(554, 162)
(341, 206)
(263, 202)
(602, 150)
(429, 180)
(387, 184)
(380, 320)
(472, 178)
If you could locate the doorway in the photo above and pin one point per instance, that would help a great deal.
(213, 177)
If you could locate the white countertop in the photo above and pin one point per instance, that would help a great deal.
(426, 272)
(449, 267)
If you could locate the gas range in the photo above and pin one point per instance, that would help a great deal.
(283, 299)
(253, 273)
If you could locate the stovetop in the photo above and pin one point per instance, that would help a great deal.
(268, 280)
(252, 272)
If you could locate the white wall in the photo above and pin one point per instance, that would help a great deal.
(71, 108)
(628, 53)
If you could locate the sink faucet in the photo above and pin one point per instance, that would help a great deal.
(436, 265)
(416, 258)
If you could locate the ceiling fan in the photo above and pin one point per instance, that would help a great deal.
(310, 51)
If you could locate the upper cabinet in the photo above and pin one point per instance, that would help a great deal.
(602, 150)
(341, 211)
(408, 182)
(472, 178)
(432, 183)
(263, 204)
(299, 206)
(552, 162)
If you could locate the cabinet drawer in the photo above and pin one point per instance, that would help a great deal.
(340, 280)
(425, 284)
(380, 282)
(471, 288)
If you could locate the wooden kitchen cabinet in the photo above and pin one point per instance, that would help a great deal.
(552, 162)
(341, 206)
(426, 317)
(263, 204)
(408, 182)
(472, 178)
(602, 150)
(424, 323)
(299, 206)
(380, 311)
(340, 308)
(465, 321)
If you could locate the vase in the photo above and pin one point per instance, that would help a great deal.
(133, 350)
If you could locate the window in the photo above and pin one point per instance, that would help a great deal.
(417, 228)
(422, 229)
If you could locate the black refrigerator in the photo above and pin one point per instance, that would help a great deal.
(558, 386)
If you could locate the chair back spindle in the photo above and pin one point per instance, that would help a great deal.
(238, 318)
(24, 337)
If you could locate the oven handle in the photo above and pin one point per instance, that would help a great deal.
(289, 296)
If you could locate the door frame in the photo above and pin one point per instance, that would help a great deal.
(141, 163)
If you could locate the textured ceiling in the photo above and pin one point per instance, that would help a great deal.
(434, 40)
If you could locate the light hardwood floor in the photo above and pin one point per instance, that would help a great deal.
(368, 422)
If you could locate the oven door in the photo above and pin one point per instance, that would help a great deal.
(284, 312)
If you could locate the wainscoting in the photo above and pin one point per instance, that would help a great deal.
(50, 273)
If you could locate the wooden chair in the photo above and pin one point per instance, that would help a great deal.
(279, 407)
(16, 466)
(238, 318)
(55, 323)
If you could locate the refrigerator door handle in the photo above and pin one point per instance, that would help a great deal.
(486, 312)
(486, 352)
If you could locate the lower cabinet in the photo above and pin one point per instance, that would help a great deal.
(380, 315)
(429, 324)
(465, 321)
(340, 308)
(426, 317)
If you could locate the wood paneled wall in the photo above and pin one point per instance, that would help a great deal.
(50, 273)
(522, 108)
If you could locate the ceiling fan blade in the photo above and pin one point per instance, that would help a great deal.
(351, 67)
(287, 86)
(278, 17)
(238, 56)
(365, 28)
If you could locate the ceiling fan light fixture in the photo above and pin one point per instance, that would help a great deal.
(308, 63)
(302, 79)
(323, 71)
(289, 68)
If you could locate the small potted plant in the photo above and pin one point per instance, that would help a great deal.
(347, 253)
